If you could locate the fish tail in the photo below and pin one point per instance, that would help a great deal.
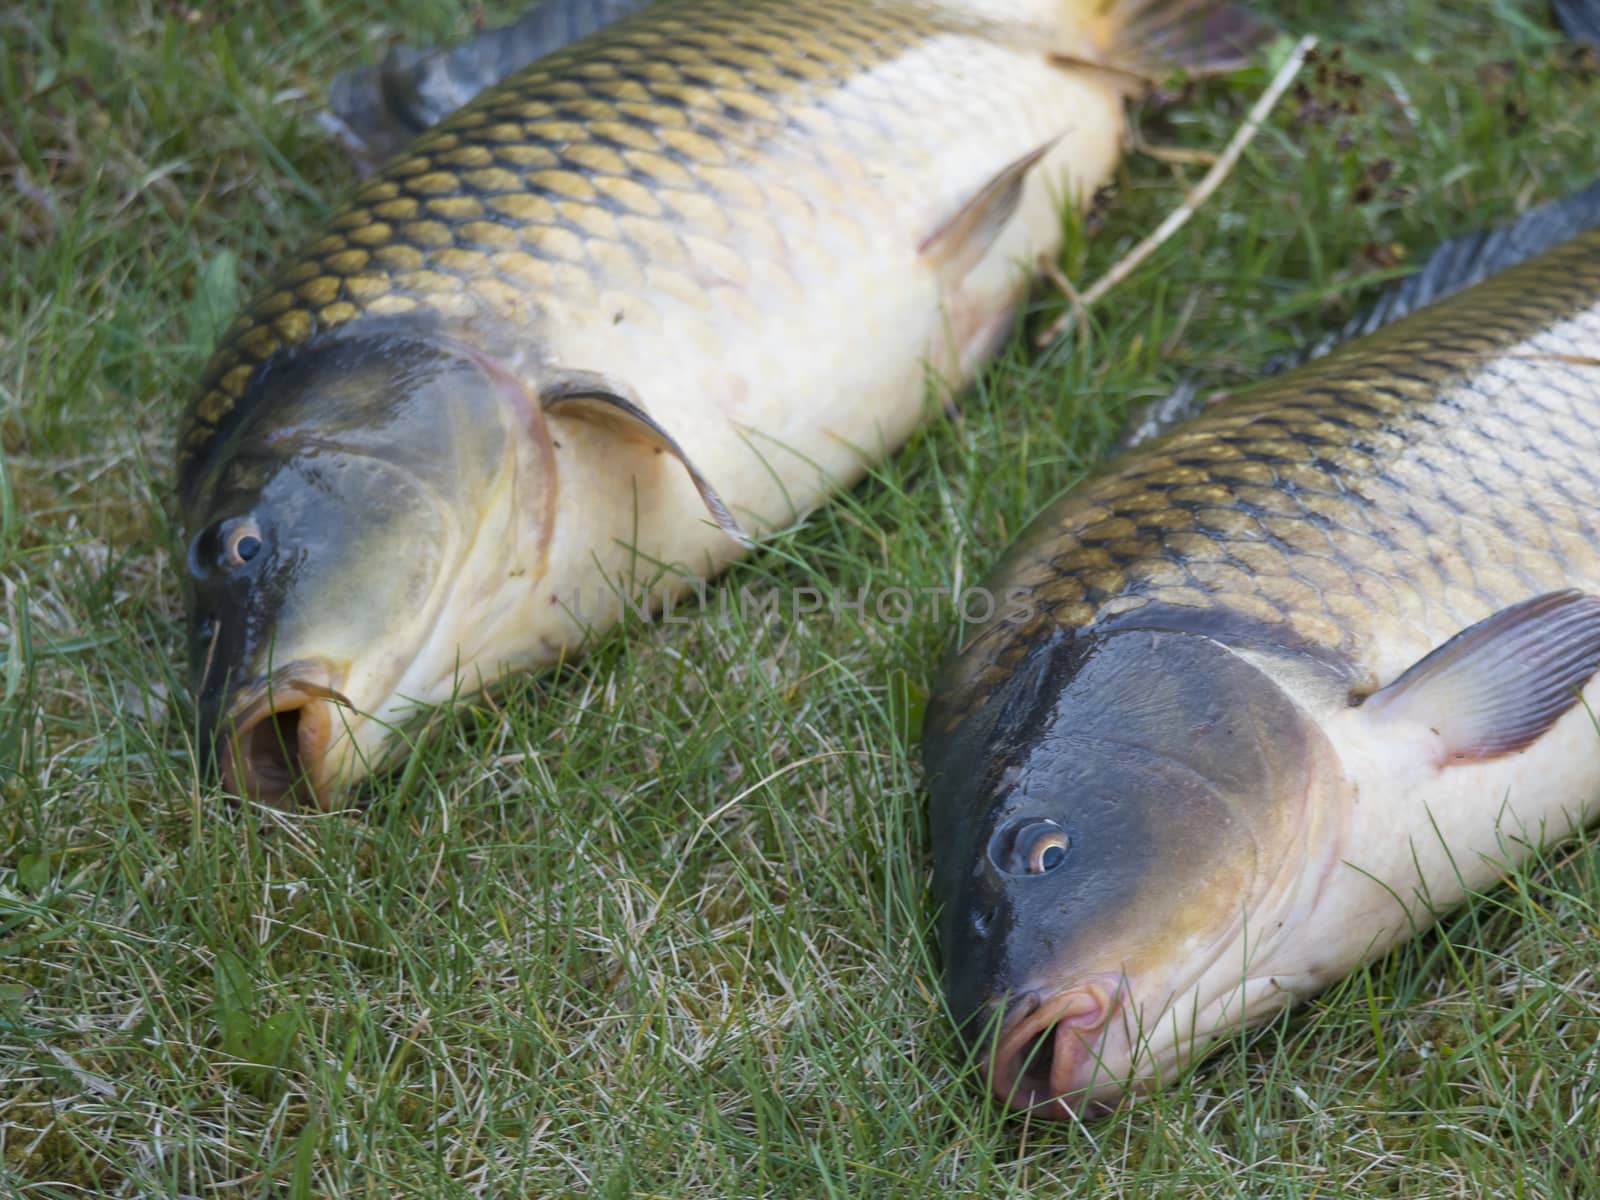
(1153, 39)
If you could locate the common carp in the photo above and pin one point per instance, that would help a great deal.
(1267, 693)
(645, 300)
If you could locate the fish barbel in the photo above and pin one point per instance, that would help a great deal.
(1266, 694)
(645, 300)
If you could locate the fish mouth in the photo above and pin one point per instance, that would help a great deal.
(273, 749)
(1047, 1060)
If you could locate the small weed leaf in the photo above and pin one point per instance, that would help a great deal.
(305, 1150)
(234, 1006)
(263, 1043)
(215, 299)
(907, 702)
(33, 872)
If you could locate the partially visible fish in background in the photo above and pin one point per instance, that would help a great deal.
(643, 301)
(1274, 689)
(1579, 19)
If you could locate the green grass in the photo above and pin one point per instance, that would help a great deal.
(658, 926)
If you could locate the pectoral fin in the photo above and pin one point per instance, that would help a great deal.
(963, 238)
(589, 394)
(1497, 686)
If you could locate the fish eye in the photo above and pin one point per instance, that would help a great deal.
(241, 541)
(1029, 846)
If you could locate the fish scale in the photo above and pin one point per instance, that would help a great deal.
(1386, 495)
(560, 182)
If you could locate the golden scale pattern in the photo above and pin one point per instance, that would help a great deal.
(615, 161)
(1431, 474)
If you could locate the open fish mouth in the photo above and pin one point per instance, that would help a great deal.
(1048, 1059)
(273, 749)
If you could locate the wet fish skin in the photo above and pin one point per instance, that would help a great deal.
(1251, 516)
(701, 261)
(1183, 683)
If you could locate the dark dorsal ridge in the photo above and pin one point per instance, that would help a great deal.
(1453, 267)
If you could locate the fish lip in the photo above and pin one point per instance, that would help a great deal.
(252, 762)
(1076, 1020)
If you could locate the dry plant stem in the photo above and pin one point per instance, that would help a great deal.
(1180, 215)
(1180, 155)
(1053, 272)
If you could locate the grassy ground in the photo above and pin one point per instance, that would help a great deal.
(659, 926)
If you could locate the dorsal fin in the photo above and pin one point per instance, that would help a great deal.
(1463, 261)
(1452, 267)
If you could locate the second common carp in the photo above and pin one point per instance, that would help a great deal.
(1269, 692)
(647, 298)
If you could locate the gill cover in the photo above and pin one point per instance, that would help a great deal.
(323, 523)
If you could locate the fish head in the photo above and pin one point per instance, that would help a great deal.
(1112, 827)
(348, 539)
